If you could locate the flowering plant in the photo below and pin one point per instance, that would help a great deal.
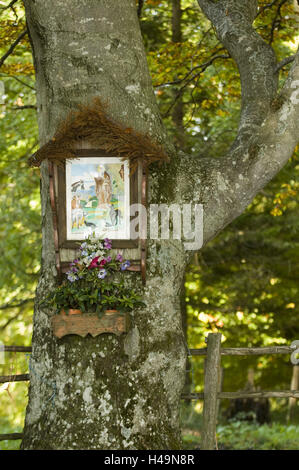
(94, 281)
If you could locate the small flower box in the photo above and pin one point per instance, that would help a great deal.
(83, 324)
(93, 284)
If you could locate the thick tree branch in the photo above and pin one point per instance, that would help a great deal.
(285, 61)
(254, 57)
(12, 47)
(226, 186)
(267, 133)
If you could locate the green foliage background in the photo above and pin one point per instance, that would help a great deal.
(245, 282)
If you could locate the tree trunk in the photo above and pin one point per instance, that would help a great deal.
(101, 393)
(124, 393)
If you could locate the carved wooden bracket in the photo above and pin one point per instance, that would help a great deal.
(90, 323)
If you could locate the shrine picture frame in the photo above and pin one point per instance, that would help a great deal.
(93, 194)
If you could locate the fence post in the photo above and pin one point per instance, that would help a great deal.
(220, 384)
(211, 385)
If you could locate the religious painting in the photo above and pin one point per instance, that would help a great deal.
(97, 198)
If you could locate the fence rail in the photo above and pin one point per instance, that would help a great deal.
(245, 351)
(211, 394)
(14, 378)
(212, 381)
(11, 437)
(236, 395)
(16, 348)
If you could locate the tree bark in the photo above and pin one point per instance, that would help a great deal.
(124, 393)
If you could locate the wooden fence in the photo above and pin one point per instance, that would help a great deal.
(14, 378)
(212, 380)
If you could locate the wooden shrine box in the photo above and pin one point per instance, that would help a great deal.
(91, 189)
(94, 186)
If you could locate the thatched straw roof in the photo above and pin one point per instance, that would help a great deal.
(92, 123)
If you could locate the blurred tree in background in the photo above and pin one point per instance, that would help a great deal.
(20, 235)
(245, 282)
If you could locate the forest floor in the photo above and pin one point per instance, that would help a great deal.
(239, 434)
(248, 436)
(235, 434)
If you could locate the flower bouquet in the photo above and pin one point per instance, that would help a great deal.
(94, 282)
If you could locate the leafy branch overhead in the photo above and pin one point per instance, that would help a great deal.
(178, 66)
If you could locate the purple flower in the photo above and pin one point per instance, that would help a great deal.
(102, 274)
(125, 265)
(107, 244)
(71, 277)
(108, 259)
(119, 257)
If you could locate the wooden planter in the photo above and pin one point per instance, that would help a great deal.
(83, 324)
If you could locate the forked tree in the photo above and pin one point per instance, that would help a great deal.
(124, 393)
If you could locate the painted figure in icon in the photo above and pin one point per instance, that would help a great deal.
(103, 188)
